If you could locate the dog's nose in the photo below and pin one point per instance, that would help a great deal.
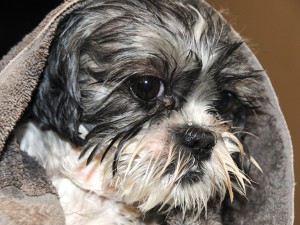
(199, 140)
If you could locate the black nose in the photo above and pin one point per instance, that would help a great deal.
(199, 140)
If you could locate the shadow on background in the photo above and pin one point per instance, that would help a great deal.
(271, 27)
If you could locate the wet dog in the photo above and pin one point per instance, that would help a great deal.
(141, 109)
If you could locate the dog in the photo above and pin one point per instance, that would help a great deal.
(141, 110)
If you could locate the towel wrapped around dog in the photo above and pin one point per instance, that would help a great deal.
(28, 197)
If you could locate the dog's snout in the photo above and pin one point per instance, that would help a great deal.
(199, 140)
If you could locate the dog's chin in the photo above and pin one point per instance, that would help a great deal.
(190, 178)
(190, 193)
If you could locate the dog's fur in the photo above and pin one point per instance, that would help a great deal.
(176, 145)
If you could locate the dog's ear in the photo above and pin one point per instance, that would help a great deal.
(55, 107)
(57, 101)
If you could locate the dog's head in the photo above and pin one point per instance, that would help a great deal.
(160, 91)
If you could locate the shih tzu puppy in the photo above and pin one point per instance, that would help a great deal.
(141, 110)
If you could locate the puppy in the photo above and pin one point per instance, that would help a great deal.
(141, 110)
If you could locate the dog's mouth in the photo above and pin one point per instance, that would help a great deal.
(191, 175)
(190, 178)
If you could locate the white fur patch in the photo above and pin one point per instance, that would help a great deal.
(84, 199)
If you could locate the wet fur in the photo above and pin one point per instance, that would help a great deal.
(84, 109)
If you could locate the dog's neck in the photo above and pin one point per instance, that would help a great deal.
(80, 188)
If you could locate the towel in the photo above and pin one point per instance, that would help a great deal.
(28, 197)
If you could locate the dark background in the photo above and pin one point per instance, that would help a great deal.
(272, 28)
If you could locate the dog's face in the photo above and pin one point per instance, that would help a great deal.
(160, 92)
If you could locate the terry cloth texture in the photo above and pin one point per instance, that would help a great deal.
(28, 197)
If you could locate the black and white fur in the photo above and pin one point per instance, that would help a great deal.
(113, 151)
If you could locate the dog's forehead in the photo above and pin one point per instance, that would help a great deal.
(155, 36)
(170, 27)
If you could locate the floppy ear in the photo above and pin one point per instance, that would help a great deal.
(57, 101)
(55, 107)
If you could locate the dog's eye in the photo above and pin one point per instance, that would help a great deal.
(147, 88)
(226, 103)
